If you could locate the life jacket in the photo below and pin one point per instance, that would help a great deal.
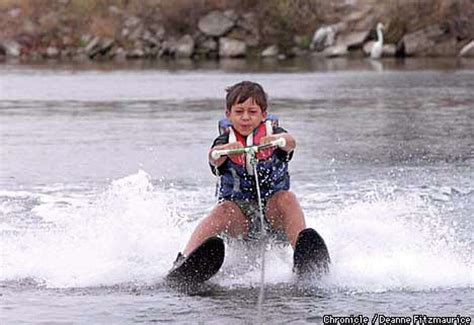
(264, 129)
(237, 181)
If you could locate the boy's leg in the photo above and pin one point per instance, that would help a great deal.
(284, 213)
(225, 217)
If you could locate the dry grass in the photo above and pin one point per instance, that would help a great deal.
(277, 20)
(410, 15)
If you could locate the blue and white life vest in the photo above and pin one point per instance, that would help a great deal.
(236, 174)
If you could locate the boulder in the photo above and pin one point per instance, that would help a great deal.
(52, 52)
(150, 39)
(135, 54)
(352, 40)
(423, 41)
(184, 47)
(231, 14)
(210, 45)
(29, 27)
(335, 51)
(168, 47)
(206, 47)
(249, 23)
(12, 48)
(231, 48)
(242, 34)
(467, 50)
(270, 51)
(323, 37)
(98, 46)
(132, 21)
(215, 23)
(448, 47)
(120, 54)
(365, 23)
(389, 50)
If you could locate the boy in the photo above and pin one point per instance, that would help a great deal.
(237, 213)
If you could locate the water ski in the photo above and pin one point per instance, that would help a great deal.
(311, 256)
(200, 265)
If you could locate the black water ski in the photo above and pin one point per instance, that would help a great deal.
(311, 256)
(200, 265)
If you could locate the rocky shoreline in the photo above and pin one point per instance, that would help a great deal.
(226, 33)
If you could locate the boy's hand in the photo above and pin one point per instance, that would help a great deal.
(290, 141)
(220, 161)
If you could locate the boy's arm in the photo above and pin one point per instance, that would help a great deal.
(221, 142)
(290, 141)
(219, 161)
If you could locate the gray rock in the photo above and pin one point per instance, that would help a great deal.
(168, 48)
(114, 10)
(231, 48)
(215, 23)
(355, 16)
(209, 44)
(135, 54)
(448, 47)
(352, 40)
(125, 32)
(92, 43)
(132, 21)
(136, 33)
(52, 52)
(29, 27)
(185, 47)
(231, 14)
(248, 22)
(120, 54)
(389, 50)
(297, 51)
(98, 46)
(270, 51)
(12, 48)
(323, 37)
(335, 51)
(424, 40)
(106, 45)
(149, 38)
(366, 23)
(160, 33)
(50, 20)
(14, 13)
(467, 50)
(244, 35)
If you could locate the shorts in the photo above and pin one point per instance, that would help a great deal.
(251, 211)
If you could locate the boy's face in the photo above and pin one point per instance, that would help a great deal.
(246, 116)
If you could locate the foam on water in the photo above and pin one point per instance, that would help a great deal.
(131, 232)
(124, 234)
(387, 244)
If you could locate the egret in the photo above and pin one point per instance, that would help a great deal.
(377, 49)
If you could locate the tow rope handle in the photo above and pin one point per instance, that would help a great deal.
(216, 154)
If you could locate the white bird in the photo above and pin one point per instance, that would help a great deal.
(323, 37)
(377, 48)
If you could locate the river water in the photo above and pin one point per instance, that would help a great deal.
(104, 175)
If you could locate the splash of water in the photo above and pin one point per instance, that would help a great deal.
(132, 230)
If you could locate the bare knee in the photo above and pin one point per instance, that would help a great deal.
(230, 218)
(283, 207)
(282, 199)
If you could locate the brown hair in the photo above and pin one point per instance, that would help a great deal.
(244, 90)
